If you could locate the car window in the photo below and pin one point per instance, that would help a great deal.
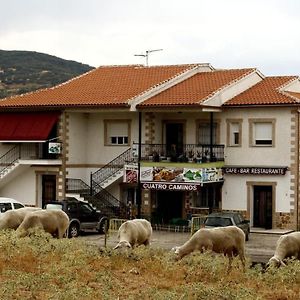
(218, 222)
(237, 219)
(53, 206)
(86, 208)
(72, 208)
(4, 207)
(18, 205)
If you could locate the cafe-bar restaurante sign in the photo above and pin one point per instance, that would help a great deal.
(255, 170)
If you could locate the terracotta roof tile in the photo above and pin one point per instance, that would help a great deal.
(196, 89)
(104, 86)
(266, 92)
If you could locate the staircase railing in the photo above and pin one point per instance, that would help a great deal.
(100, 198)
(19, 151)
(110, 169)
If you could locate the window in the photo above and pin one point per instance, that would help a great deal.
(234, 133)
(117, 132)
(262, 132)
(203, 136)
(207, 197)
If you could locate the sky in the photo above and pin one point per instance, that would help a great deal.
(263, 34)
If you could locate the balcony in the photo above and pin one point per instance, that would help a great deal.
(187, 153)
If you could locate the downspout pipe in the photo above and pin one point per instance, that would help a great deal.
(297, 170)
(139, 190)
(211, 135)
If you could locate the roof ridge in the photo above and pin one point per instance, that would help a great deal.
(191, 67)
(252, 70)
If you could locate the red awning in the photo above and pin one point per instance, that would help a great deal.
(26, 126)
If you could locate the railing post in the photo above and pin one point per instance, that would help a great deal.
(91, 184)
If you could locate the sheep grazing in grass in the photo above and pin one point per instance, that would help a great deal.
(133, 233)
(11, 219)
(228, 240)
(287, 246)
(55, 222)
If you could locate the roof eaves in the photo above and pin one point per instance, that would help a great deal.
(280, 89)
(219, 90)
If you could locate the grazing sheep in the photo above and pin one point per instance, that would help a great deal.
(55, 222)
(287, 246)
(134, 233)
(11, 219)
(228, 240)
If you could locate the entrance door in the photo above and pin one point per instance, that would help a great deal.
(174, 136)
(48, 189)
(262, 206)
(169, 206)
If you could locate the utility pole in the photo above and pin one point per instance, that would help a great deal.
(146, 55)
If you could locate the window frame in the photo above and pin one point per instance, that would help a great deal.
(216, 122)
(230, 138)
(107, 138)
(252, 123)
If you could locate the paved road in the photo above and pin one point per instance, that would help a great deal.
(260, 247)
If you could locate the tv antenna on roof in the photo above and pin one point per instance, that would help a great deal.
(146, 55)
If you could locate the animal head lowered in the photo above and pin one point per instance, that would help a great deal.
(276, 262)
(123, 245)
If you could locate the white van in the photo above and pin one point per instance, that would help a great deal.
(8, 203)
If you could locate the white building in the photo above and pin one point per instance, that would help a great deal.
(238, 121)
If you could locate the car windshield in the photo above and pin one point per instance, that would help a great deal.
(53, 206)
(218, 221)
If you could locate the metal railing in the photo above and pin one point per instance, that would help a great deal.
(110, 168)
(100, 198)
(196, 152)
(20, 151)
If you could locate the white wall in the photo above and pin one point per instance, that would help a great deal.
(259, 156)
(21, 188)
(234, 191)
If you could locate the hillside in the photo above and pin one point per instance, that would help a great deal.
(25, 71)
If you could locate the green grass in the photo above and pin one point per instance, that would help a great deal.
(40, 267)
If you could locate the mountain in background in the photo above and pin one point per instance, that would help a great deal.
(26, 71)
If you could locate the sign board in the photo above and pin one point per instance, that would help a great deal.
(54, 148)
(130, 173)
(255, 170)
(181, 175)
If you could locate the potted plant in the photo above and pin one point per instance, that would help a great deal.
(191, 155)
(198, 157)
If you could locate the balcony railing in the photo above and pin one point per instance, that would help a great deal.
(188, 152)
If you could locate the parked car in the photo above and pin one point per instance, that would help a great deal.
(8, 204)
(83, 216)
(222, 219)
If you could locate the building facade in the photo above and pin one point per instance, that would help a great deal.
(161, 142)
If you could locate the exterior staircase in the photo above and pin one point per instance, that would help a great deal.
(97, 194)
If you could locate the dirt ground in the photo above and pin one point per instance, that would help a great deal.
(259, 248)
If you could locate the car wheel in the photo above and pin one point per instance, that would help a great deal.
(73, 230)
(103, 227)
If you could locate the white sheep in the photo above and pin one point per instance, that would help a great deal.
(55, 222)
(228, 240)
(287, 246)
(11, 219)
(133, 233)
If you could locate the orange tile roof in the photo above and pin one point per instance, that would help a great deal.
(294, 94)
(266, 92)
(196, 89)
(104, 86)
